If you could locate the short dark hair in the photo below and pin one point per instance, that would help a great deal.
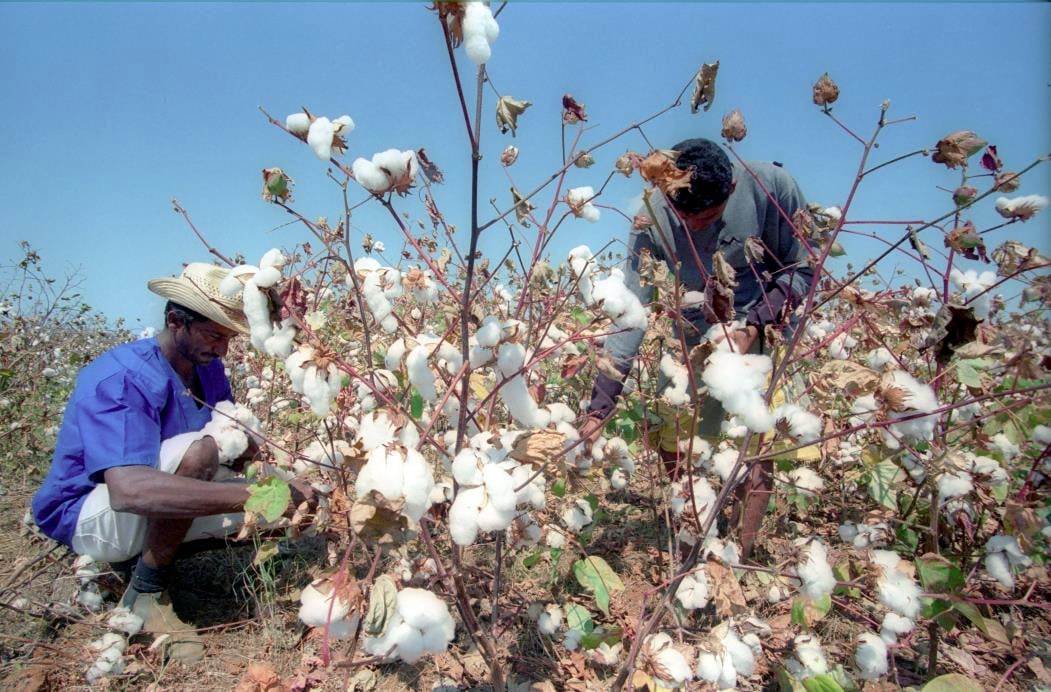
(712, 179)
(183, 314)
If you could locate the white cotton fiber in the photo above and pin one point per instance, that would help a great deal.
(319, 137)
(578, 199)
(675, 393)
(893, 626)
(803, 425)
(738, 381)
(871, 656)
(480, 30)
(550, 619)
(297, 123)
(693, 592)
(815, 571)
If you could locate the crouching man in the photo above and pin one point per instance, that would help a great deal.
(126, 480)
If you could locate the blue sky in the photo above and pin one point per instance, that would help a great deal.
(114, 109)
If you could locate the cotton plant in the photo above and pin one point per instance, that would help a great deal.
(324, 136)
(1004, 558)
(379, 286)
(420, 625)
(253, 283)
(727, 655)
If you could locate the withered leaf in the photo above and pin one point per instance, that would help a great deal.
(726, 591)
(659, 169)
(1013, 257)
(652, 272)
(967, 241)
(383, 603)
(508, 109)
(825, 91)
(573, 365)
(718, 305)
(953, 326)
(754, 250)
(704, 86)
(953, 150)
(260, 677)
(572, 111)
(538, 447)
(378, 520)
(846, 377)
(523, 207)
(724, 272)
(918, 245)
(430, 169)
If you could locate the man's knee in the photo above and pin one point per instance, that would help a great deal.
(200, 461)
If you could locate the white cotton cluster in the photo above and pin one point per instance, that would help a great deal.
(815, 572)
(840, 346)
(703, 499)
(721, 661)
(421, 625)
(321, 133)
(1041, 435)
(847, 452)
(320, 605)
(492, 487)
(897, 590)
(320, 385)
(230, 427)
(383, 382)
(1023, 207)
(480, 30)
(1002, 444)
(893, 626)
(694, 592)
(954, 484)
(515, 391)
(670, 666)
(253, 283)
(421, 284)
(554, 538)
(606, 655)
(973, 288)
(1003, 557)
(419, 352)
(919, 398)
(871, 656)
(395, 471)
(738, 381)
(577, 516)
(864, 535)
(620, 304)
(86, 571)
(614, 450)
(675, 393)
(388, 170)
(110, 660)
(582, 266)
(806, 481)
(123, 620)
(724, 461)
(579, 200)
(809, 657)
(879, 357)
(803, 425)
(550, 619)
(380, 285)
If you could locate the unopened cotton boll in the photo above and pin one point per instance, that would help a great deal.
(871, 656)
(815, 572)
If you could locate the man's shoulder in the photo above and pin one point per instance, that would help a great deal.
(136, 361)
(766, 171)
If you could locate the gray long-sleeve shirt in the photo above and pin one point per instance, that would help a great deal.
(749, 213)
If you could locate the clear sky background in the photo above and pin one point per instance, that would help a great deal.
(114, 109)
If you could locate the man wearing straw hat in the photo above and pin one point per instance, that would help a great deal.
(111, 492)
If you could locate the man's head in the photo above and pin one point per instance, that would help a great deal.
(711, 182)
(196, 338)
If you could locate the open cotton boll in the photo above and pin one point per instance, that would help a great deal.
(577, 516)
(298, 123)
(532, 489)
(806, 481)
(698, 448)
(418, 484)
(973, 288)
(871, 656)
(463, 515)
(582, 267)
(815, 572)
(550, 619)
(125, 621)
(480, 30)
(693, 592)
(90, 598)
(1004, 556)
(421, 625)
(1042, 435)
(809, 657)
(560, 413)
(515, 393)
(578, 199)
(742, 654)
(737, 381)
(839, 347)
(85, 569)
(267, 277)
(319, 604)
(717, 668)
(618, 480)
(420, 374)
(894, 626)
(879, 357)
(1023, 207)
(675, 393)
(319, 137)
(622, 306)
(671, 667)
(952, 485)
(723, 463)
(1002, 444)
(803, 425)
(233, 283)
(488, 334)
(918, 397)
(897, 590)
(273, 258)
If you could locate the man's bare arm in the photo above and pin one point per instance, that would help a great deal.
(152, 493)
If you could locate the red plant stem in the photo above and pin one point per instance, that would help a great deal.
(212, 250)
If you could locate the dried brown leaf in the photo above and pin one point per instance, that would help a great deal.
(726, 590)
(704, 86)
(538, 447)
(508, 109)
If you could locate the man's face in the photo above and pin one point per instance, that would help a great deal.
(700, 220)
(202, 342)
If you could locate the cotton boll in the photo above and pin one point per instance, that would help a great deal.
(674, 670)
(578, 199)
(479, 31)
(554, 538)
(267, 277)
(810, 659)
(723, 463)
(90, 599)
(806, 481)
(622, 306)
(571, 639)
(897, 590)
(420, 374)
(1042, 435)
(618, 480)
(717, 668)
(488, 334)
(319, 137)
(802, 424)
(974, 289)
(298, 123)
(879, 357)
(319, 604)
(839, 347)
(815, 572)
(741, 654)
(577, 516)
(693, 592)
(737, 381)
(997, 566)
(919, 398)
(515, 393)
(463, 515)
(1007, 449)
(894, 626)
(418, 484)
(1003, 556)
(871, 656)
(675, 393)
(952, 485)
(532, 488)
(550, 619)
(125, 621)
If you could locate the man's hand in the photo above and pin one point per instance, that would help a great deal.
(744, 338)
(249, 455)
(591, 429)
(302, 492)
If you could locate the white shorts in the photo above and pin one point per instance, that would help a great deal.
(111, 536)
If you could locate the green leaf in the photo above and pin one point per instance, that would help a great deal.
(597, 577)
(269, 498)
(787, 683)
(967, 375)
(822, 683)
(265, 552)
(578, 618)
(806, 611)
(558, 488)
(884, 479)
(909, 538)
(593, 501)
(595, 639)
(416, 405)
(953, 682)
(580, 315)
(938, 574)
(531, 559)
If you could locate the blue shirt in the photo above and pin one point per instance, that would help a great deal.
(124, 404)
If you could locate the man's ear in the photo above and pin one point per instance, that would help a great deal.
(733, 185)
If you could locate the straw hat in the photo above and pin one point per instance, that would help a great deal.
(198, 289)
